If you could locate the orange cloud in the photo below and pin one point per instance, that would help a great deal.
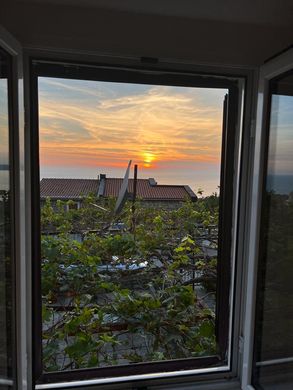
(157, 126)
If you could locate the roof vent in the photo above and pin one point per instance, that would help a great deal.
(102, 184)
(152, 182)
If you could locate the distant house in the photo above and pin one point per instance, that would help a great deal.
(148, 190)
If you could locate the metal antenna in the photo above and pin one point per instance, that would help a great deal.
(123, 193)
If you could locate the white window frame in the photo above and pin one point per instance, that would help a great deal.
(14, 49)
(251, 174)
(270, 70)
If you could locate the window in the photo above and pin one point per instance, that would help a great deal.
(7, 307)
(71, 205)
(273, 341)
(138, 279)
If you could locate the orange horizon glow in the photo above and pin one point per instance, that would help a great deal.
(56, 154)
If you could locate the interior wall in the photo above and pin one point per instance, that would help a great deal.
(129, 34)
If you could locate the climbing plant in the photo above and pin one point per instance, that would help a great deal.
(130, 288)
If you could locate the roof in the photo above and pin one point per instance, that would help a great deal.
(146, 189)
(67, 188)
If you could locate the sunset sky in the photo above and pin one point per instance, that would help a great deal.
(172, 133)
(281, 140)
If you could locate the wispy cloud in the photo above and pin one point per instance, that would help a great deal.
(105, 124)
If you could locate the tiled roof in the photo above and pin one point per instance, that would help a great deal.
(67, 188)
(76, 188)
(145, 191)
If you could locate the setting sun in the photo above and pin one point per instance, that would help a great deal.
(148, 158)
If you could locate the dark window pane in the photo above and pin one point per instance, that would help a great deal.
(274, 336)
(5, 228)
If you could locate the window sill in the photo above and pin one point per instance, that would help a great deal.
(224, 384)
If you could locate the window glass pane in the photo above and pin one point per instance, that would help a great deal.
(128, 250)
(5, 227)
(274, 337)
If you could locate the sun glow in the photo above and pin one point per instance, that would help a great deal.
(148, 159)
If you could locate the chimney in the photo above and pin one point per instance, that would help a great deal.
(102, 184)
(152, 182)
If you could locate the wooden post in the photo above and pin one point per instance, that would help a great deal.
(134, 197)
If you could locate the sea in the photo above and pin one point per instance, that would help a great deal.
(280, 184)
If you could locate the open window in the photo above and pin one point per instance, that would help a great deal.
(274, 318)
(137, 280)
(7, 227)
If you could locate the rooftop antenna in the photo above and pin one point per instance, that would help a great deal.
(123, 193)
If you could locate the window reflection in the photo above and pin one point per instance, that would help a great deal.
(6, 365)
(274, 336)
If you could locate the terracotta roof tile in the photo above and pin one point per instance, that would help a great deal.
(146, 191)
(67, 188)
(76, 188)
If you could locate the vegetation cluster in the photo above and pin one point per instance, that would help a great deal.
(132, 288)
